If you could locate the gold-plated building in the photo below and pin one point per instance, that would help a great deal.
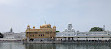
(44, 33)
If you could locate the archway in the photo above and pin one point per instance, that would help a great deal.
(31, 39)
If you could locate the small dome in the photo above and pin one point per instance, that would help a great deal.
(40, 26)
(33, 27)
(28, 25)
(54, 26)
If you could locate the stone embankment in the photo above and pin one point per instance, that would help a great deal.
(60, 42)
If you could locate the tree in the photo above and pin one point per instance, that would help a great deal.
(1, 35)
(96, 29)
(57, 31)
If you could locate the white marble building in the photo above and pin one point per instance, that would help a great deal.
(13, 36)
(69, 29)
(70, 34)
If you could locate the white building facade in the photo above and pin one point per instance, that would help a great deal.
(70, 34)
(13, 36)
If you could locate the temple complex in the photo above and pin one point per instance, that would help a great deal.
(70, 35)
(45, 33)
(12, 36)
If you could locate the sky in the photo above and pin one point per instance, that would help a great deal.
(82, 14)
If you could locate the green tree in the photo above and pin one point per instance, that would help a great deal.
(1, 35)
(96, 29)
(57, 31)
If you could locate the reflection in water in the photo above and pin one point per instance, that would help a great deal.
(83, 46)
(13, 45)
(68, 46)
(40, 46)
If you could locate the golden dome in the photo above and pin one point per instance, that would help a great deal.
(33, 27)
(28, 26)
(49, 25)
(44, 25)
(54, 26)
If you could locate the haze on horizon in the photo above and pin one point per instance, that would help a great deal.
(83, 14)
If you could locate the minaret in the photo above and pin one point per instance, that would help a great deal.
(103, 27)
(11, 30)
(54, 27)
(45, 22)
(28, 26)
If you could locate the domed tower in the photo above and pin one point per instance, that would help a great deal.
(54, 27)
(33, 27)
(69, 26)
(28, 26)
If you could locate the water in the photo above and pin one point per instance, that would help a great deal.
(15, 45)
